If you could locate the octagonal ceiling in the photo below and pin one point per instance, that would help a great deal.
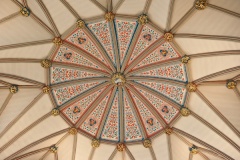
(119, 79)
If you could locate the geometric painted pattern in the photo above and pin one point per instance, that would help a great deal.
(112, 126)
(158, 55)
(102, 32)
(174, 71)
(125, 30)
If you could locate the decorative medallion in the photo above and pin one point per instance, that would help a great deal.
(143, 19)
(101, 87)
(46, 89)
(193, 149)
(95, 143)
(168, 37)
(25, 12)
(80, 23)
(121, 147)
(109, 16)
(191, 87)
(201, 4)
(46, 63)
(185, 111)
(147, 143)
(168, 131)
(55, 112)
(185, 59)
(13, 89)
(53, 149)
(72, 131)
(57, 41)
(231, 84)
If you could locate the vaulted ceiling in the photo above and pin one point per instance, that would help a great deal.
(120, 79)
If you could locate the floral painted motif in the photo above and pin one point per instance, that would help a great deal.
(83, 41)
(150, 122)
(132, 129)
(64, 74)
(125, 30)
(64, 94)
(176, 93)
(147, 37)
(91, 124)
(174, 71)
(167, 111)
(102, 31)
(76, 110)
(67, 55)
(111, 128)
(158, 56)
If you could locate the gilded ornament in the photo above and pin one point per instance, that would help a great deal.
(191, 87)
(185, 111)
(53, 149)
(143, 19)
(201, 4)
(72, 131)
(25, 11)
(46, 63)
(80, 23)
(95, 143)
(57, 41)
(109, 16)
(193, 149)
(118, 79)
(231, 84)
(13, 89)
(55, 112)
(168, 131)
(185, 59)
(147, 143)
(121, 147)
(168, 37)
(46, 89)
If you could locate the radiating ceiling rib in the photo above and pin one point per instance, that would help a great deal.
(99, 5)
(217, 112)
(4, 105)
(144, 134)
(29, 154)
(203, 156)
(21, 114)
(202, 143)
(104, 119)
(217, 53)
(146, 7)
(210, 37)
(19, 60)
(56, 156)
(113, 154)
(131, 48)
(203, 150)
(121, 105)
(120, 2)
(5, 83)
(184, 18)
(224, 10)
(109, 5)
(129, 153)
(148, 105)
(169, 18)
(216, 130)
(37, 142)
(169, 145)
(237, 92)
(49, 17)
(207, 77)
(85, 54)
(71, 9)
(74, 147)
(13, 15)
(24, 131)
(17, 3)
(152, 153)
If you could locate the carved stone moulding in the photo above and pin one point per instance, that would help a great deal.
(95, 143)
(231, 84)
(57, 41)
(185, 111)
(143, 19)
(80, 23)
(72, 131)
(13, 89)
(201, 4)
(118, 79)
(193, 149)
(55, 112)
(46, 89)
(53, 149)
(191, 87)
(109, 16)
(168, 131)
(46, 63)
(147, 143)
(121, 147)
(168, 37)
(185, 59)
(25, 11)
